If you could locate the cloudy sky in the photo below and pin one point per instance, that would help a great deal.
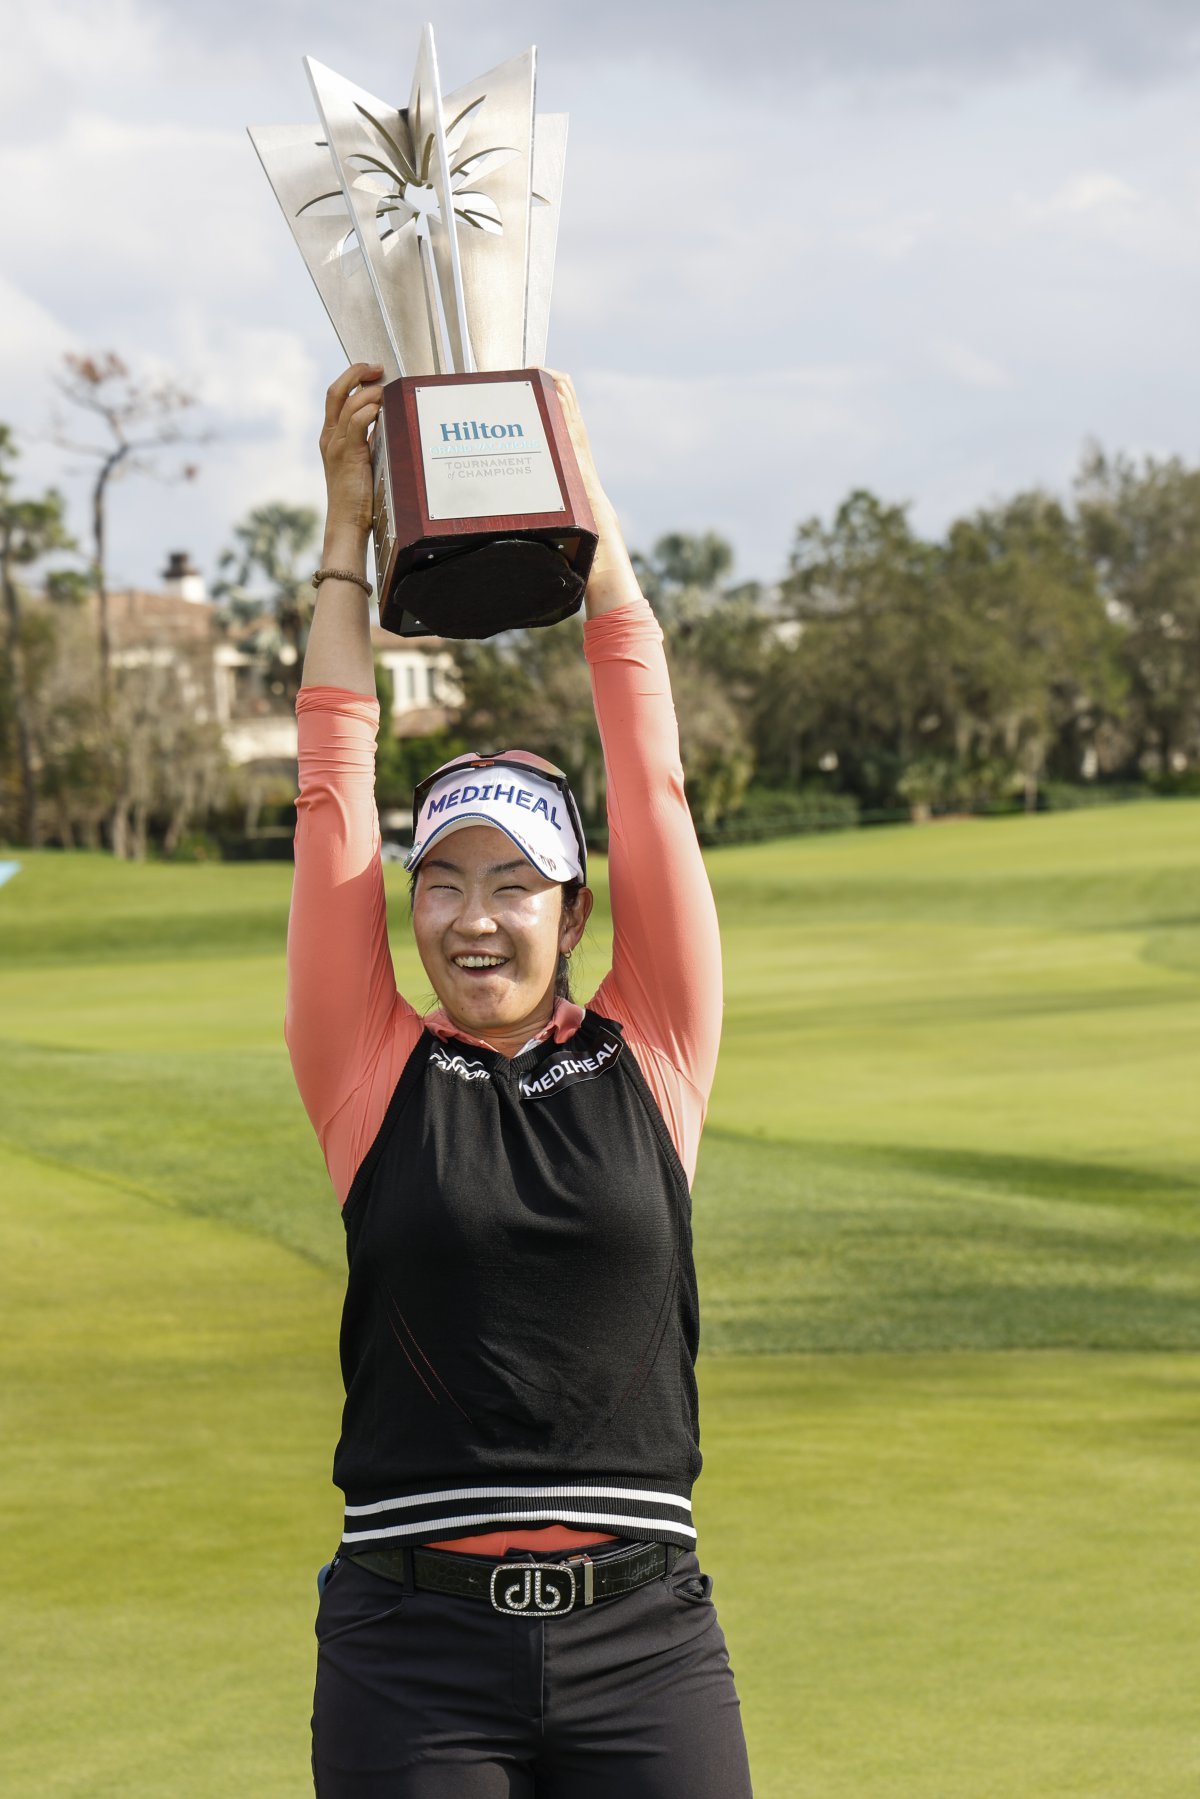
(925, 246)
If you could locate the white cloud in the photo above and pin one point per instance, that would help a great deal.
(143, 206)
(32, 344)
(257, 375)
(762, 44)
(1097, 208)
(32, 339)
(745, 455)
(267, 388)
(1092, 193)
(75, 50)
(935, 291)
(1088, 196)
(968, 367)
(895, 236)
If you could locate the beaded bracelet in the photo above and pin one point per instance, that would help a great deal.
(342, 574)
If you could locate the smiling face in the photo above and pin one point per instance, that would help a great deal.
(489, 930)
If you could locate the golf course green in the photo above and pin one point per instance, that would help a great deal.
(948, 1236)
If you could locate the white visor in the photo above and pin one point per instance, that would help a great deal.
(530, 810)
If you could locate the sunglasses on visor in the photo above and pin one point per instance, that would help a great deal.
(517, 759)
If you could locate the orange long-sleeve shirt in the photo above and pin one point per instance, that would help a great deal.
(350, 1032)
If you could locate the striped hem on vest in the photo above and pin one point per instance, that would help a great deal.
(611, 1505)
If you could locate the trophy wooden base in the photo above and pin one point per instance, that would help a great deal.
(482, 524)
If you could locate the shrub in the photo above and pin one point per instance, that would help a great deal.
(783, 812)
(1070, 796)
(1184, 785)
(196, 846)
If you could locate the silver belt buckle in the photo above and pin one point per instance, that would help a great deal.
(533, 1589)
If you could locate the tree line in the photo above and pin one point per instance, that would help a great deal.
(1037, 651)
(92, 753)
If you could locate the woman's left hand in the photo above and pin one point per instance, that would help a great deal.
(612, 581)
(568, 399)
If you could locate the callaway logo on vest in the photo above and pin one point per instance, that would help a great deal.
(466, 1071)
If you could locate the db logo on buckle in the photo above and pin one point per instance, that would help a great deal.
(540, 1590)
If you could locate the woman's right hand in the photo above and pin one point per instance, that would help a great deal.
(352, 405)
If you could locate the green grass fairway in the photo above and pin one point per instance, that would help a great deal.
(949, 1239)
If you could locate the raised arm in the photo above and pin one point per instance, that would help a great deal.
(342, 1002)
(612, 582)
(338, 652)
(665, 984)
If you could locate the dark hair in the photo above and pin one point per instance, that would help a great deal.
(571, 891)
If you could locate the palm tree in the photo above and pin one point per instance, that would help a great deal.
(274, 544)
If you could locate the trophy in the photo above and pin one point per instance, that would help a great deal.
(430, 233)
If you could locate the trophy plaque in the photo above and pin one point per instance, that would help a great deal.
(430, 233)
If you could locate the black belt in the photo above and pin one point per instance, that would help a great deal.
(528, 1588)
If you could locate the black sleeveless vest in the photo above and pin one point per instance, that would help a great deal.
(520, 1329)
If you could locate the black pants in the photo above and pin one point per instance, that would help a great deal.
(424, 1696)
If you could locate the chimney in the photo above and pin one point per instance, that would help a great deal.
(181, 579)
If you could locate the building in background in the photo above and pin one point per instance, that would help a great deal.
(182, 580)
(232, 672)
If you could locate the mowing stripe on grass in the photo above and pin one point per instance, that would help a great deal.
(956, 1113)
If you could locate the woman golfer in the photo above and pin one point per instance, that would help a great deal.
(515, 1607)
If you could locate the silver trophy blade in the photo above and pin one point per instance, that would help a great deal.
(374, 156)
(429, 232)
(427, 132)
(549, 161)
(305, 181)
(489, 135)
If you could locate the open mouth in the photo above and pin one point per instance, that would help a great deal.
(478, 964)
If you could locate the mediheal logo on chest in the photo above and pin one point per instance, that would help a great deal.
(565, 1071)
(484, 452)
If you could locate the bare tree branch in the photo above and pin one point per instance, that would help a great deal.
(143, 417)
